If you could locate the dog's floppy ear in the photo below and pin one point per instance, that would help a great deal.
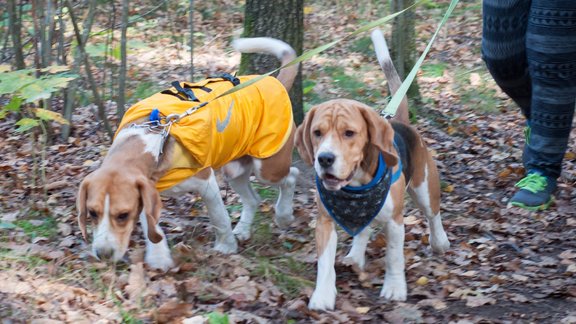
(81, 206)
(152, 206)
(380, 134)
(303, 141)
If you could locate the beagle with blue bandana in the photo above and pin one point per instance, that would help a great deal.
(364, 164)
(248, 132)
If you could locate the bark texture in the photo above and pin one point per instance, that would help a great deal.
(281, 19)
(403, 45)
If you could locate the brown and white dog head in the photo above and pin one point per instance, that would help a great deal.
(337, 136)
(113, 199)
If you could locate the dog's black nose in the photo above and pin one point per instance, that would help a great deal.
(104, 254)
(326, 159)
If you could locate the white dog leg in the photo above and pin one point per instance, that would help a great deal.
(157, 254)
(395, 278)
(284, 205)
(250, 201)
(438, 238)
(219, 218)
(357, 254)
(324, 296)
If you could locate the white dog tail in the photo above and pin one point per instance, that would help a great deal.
(284, 52)
(390, 72)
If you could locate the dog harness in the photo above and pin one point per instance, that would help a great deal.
(353, 208)
(254, 121)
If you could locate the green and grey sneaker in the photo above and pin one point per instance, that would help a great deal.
(535, 192)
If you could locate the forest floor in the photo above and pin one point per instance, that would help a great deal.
(504, 266)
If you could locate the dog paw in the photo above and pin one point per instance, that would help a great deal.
(323, 300)
(394, 288)
(159, 261)
(242, 232)
(284, 221)
(354, 260)
(439, 243)
(227, 246)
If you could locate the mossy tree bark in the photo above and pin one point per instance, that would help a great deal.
(281, 19)
(403, 46)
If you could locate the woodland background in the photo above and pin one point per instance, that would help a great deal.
(60, 89)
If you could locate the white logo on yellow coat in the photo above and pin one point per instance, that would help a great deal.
(221, 126)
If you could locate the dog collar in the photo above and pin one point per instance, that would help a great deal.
(353, 208)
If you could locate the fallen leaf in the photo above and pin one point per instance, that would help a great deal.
(518, 277)
(362, 310)
(172, 310)
(476, 301)
(136, 281)
(422, 281)
(195, 320)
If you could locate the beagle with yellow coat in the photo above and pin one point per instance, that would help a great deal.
(364, 164)
(248, 132)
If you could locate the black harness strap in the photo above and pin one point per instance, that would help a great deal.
(186, 91)
(187, 94)
(228, 77)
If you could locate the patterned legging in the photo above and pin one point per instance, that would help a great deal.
(529, 47)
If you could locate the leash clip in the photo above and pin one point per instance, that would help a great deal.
(386, 115)
(173, 118)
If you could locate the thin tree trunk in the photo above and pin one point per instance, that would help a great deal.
(91, 81)
(37, 36)
(109, 55)
(47, 33)
(404, 43)
(191, 18)
(71, 90)
(123, 64)
(281, 19)
(61, 55)
(15, 31)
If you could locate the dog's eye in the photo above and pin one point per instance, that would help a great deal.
(93, 215)
(349, 133)
(122, 217)
(317, 133)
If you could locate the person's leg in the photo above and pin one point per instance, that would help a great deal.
(551, 55)
(504, 48)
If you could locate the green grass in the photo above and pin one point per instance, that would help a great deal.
(364, 46)
(48, 228)
(290, 285)
(480, 97)
(434, 70)
(31, 261)
(144, 90)
(266, 192)
(262, 233)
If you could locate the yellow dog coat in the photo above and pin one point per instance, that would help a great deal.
(254, 121)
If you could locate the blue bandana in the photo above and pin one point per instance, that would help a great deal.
(353, 208)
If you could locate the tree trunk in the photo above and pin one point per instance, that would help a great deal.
(281, 19)
(15, 30)
(89, 75)
(191, 18)
(123, 65)
(71, 90)
(404, 42)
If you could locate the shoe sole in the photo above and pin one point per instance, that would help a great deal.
(532, 208)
